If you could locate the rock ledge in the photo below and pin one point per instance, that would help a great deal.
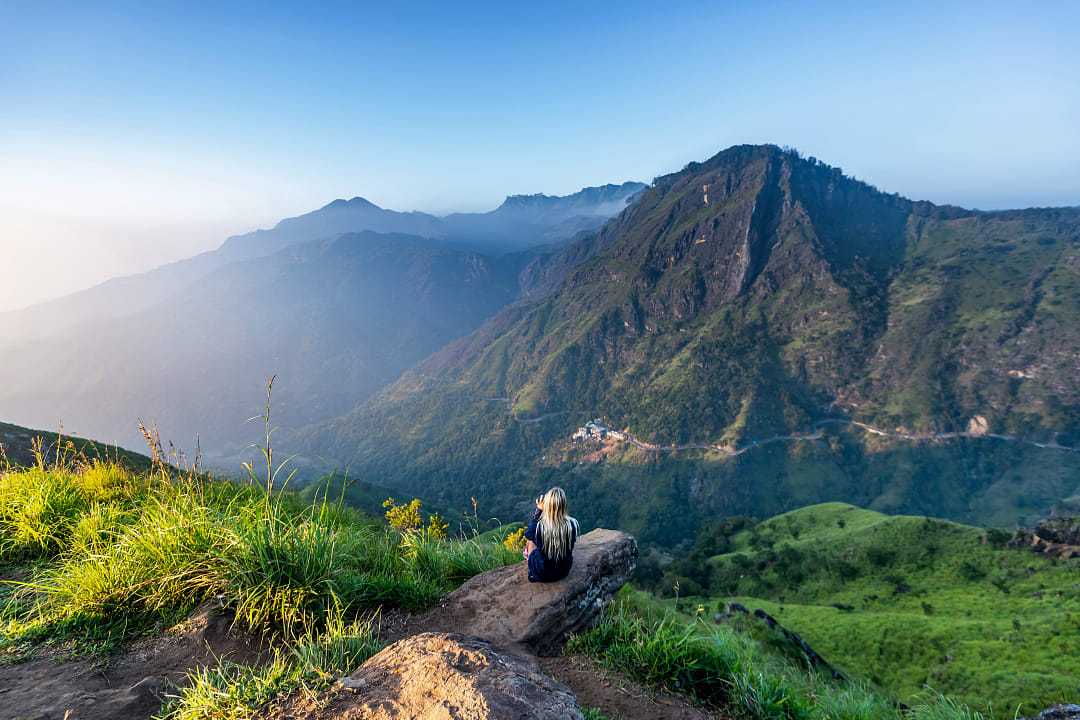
(503, 607)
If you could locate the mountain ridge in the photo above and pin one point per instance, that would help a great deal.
(100, 345)
(751, 295)
(123, 295)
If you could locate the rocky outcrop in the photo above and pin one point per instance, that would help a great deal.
(438, 676)
(502, 606)
(1055, 536)
(1058, 712)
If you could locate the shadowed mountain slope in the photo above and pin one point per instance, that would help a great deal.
(335, 319)
(335, 315)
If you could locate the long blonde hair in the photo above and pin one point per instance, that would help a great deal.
(557, 529)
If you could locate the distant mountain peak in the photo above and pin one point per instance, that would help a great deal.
(353, 204)
(595, 198)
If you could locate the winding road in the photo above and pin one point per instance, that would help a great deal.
(815, 434)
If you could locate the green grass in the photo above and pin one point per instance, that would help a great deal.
(116, 554)
(909, 603)
(233, 691)
(591, 713)
(720, 667)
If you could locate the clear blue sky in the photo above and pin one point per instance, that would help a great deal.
(130, 135)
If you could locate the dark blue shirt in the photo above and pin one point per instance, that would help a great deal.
(541, 567)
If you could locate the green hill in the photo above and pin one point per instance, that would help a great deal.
(905, 602)
(17, 445)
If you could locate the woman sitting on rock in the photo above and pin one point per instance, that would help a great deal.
(549, 541)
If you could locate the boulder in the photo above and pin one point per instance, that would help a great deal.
(1058, 712)
(440, 676)
(502, 606)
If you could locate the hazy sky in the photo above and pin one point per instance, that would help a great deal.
(132, 135)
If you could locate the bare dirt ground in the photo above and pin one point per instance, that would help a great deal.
(130, 685)
(617, 696)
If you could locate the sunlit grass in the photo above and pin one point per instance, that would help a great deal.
(720, 667)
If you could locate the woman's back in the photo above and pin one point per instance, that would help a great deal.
(552, 534)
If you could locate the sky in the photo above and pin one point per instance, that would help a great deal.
(133, 134)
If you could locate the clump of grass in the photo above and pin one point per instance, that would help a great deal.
(281, 573)
(943, 708)
(41, 506)
(232, 691)
(339, 649)
(664, 653)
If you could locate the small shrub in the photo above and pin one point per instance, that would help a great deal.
(971, 571)
(515, 541)
(880, 557)
(437, 527)
(403, 517)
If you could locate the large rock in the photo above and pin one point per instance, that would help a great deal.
(504, 607)
(1055, 536)
(438, 676)
(1058, 712)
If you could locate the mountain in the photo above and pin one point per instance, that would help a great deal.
(335, 319)
(524, 221)
(736, 320)
(331, 220)
(520, 223)
(337, 302)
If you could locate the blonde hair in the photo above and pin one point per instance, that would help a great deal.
(557, 529)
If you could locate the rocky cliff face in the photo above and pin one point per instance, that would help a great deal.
(1055, 536)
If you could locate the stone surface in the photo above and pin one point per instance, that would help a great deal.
(1058, 712)
(1055, 536)
(440, 676)
(502, 606)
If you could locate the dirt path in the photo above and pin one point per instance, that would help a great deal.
(128, 686)
(617, 696)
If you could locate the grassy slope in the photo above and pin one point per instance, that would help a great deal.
(737, 669)
(17, 443)
(111, 554)
(931, 603)
(106, 554)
